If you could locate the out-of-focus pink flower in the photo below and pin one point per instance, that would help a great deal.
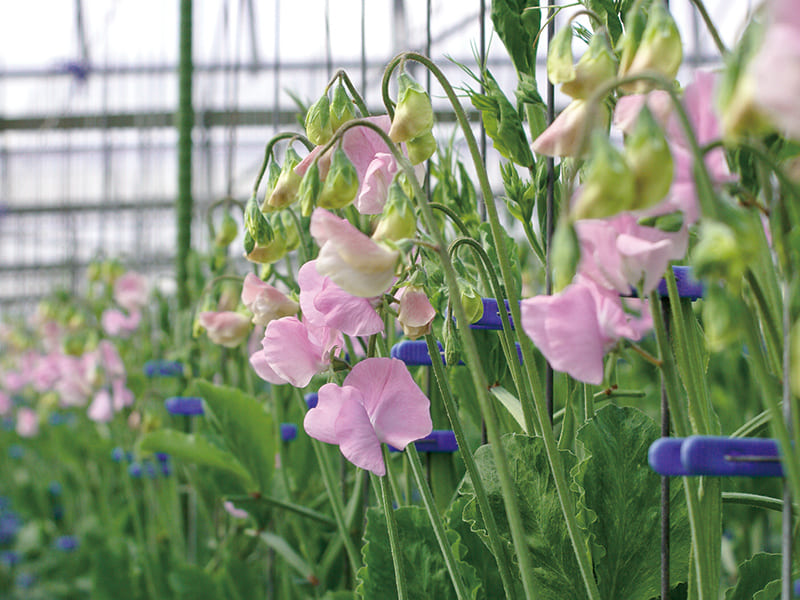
(266, 302)
(356, 263)
(776, 67)
(564, 136)
(14, 381)
(77, 377)
(122, 397)
(27, 422)
(375, 185)
(225, 328)
(576, 327)
(628, 108)
(101, 410)
(294, 351)
(379, 402)
(45, 372)
(620, 254)
(117, 323)
(236, 513)
(326, 304)
(111, 360)
(416, 312)
(131, 291)
(5, 403)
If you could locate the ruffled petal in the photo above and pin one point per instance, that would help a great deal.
(320, 421)
(357, 439)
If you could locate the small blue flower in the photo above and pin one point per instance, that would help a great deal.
(66, 543)
(150, 469)
(117, 454)
(135, 470)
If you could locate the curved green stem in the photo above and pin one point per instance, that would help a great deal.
(394, 538)
(495, 542)
(565, 496)
(453, 216)
(341, 74)
(436, 522)
(227, 201)
(712, 29)
(268, 152)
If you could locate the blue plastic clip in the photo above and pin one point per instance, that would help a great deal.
(415, 353)
(439, 440)
(797, 588)
(716, 456)
(688, 286)
(491, 316)
(288, 431)
(311, 399)
(163, 368)
(184, 405)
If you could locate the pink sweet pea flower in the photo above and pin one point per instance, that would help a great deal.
(326, 304)
(379, 402)
(564, 136)
(225, 328)
(620, 254)
(416, 312)
(27, 422)
(375, 185)
(122, 397)
(111, 360)
(353, 261)
(776, 67)
(101, 410)
(628, 107)
(131, 291)
(117, 324)
(14, 381)
(266, 302)
(294, 351)
(576, 327)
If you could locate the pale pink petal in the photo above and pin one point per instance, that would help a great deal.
(5, 403)
(27, 422)
(357, 439)
(320, 421)
(565, 329)
(600, 260)
(415, 313)
(614, 320)
(564, 136)
(112, 362)
(628, 108)
(225, 328)
(101, 410)
(776, 69)
(397, 408)
(116, 323)
(122, 396)
(236, 513)
(263, 369)
(375, 186)
(266, 302)
(131, 291)
(291, 354)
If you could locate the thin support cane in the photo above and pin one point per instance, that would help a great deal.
(665, 432)
(786, 533)
(550, 208)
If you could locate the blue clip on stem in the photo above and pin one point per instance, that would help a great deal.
(184, 405)
(439, 440)
(163, 368)
(415, 353)
(717, 456)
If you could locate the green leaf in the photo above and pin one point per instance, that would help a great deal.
(517, 28)
(190, 582)
(511, 404)
(289, 554)
(754, 575)
(111, 572)
(556, 572)
(622, 503)
(606, 10)
(427, 575)
(195, 449)
(245, 426)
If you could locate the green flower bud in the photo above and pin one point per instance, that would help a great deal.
(93, 272)
(272, 175)
(414, 113)
(565, 255)
(291, 237)
(269, 253)
(341, 183)
(285, 191)
(227, 231)
(723, 317)
(608, 186)
(595, 67)
(660, 49)
(318, 122)
(421, 148)
(341, 107)
(256, 223)
(452, 341)
(650, 160)
(560, 67)
(726, 249)
(309, 189)
(398, 220)
(670, 222)
(249, 242)
(635, 23)
(471, 301)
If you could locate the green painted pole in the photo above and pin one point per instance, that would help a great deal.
(185, 122)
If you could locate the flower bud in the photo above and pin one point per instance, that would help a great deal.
(268, 253)
(564, 136)
(415, 313)
(256, 223)
(341, 107)
(414, 113)
(595, 67)
(635, 23)
(272, 175)
(565, 255)
(560, 67)
(318, 122)
(723, 317)
(285, 191)
(309, 189)
(669, 223)
(341, 183)
(452, 342)
(471, 301)
(740, 113)
(726, 249)
(288, 230)
(421, 148)
(660, 49)
(608, 186)
(227, 231)
(398, 220)
(650, 161)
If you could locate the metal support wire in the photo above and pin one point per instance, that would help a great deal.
(185, 124)
(786, 530)
(550, 204)
(665, 481)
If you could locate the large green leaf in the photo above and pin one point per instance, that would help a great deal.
(517, 28)
(621, 503)
(755, 574)
(195, 449)
(247, 429)
(190, 582)
(556, 572)
(425, 569)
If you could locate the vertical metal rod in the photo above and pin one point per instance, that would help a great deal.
(328, 47)
(483, 64)
(185, 124)
(277, 73)
(665, 432)
(786, 532)
(363, 51)
(550, 204)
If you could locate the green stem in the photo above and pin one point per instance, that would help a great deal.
(138, 529)
(394, 538)
(341, 74)
(565, 496)
(756, 425)
(756, 500)
(436, 522)
(712, 29)
(452, 214)
(333, 496)
(769, 327)
(268, 153)
(495, 541)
